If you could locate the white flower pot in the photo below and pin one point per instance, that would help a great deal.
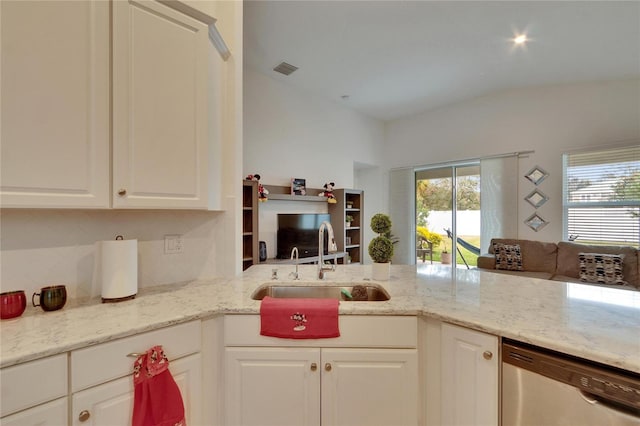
(380, 271)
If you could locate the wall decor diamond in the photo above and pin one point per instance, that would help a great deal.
(536, 222)
(536, 175)
(536, 198)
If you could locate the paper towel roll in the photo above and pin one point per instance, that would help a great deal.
(119, 265)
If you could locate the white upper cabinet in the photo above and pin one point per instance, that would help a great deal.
(109, 104)
(55, 104)
(160, 103)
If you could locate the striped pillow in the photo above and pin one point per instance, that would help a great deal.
(601, 268)
(508, 256)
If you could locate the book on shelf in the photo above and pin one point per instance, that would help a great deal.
(298, 186)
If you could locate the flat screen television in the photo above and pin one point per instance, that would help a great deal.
(300, 230)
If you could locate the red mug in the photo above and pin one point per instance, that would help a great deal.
(12, 304)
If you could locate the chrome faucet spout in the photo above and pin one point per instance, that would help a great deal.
(332, 248)
(295, 274)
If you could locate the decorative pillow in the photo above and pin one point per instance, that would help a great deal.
(508, 256)
(601, 268)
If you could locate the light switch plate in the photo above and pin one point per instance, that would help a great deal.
(173, 244)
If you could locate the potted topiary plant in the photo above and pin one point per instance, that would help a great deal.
(348, 219)
(445, 256)
(381, 247)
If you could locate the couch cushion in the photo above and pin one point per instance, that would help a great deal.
(508, 256)
(569, 264)
(601, 268)
(486, 261)
(537, 256)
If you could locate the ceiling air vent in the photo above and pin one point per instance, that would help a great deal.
(285, 68)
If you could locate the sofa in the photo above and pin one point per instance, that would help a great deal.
(564, 261)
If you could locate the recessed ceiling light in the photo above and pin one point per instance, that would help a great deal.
(521, 39)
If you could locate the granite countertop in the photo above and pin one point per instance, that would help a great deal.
(597, 323)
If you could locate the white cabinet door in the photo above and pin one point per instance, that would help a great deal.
(55, 104)
(272, 386)
(112, 403)
(470, 362)
(53, 413)
(369, 387)
(159, 107)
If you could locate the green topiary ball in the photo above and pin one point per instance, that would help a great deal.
(381, 223)
(381, 249)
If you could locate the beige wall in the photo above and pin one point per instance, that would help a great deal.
(288, 133)
(550, 120)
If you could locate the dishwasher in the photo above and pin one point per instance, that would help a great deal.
(542, 387)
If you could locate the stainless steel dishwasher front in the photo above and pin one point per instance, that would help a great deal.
(541, 387)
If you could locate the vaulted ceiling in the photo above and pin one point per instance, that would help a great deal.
(389, 59)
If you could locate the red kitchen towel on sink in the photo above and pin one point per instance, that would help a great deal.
(299, 318)
(156, 400)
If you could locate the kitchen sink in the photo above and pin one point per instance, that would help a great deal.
(363, 292)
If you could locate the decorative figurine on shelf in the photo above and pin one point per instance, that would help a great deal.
(328, 192)
(262, 191)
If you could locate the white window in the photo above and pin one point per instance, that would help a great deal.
(602, 196)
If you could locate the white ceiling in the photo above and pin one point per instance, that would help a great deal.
(398, 58)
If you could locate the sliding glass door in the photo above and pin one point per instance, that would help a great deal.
(448, 214)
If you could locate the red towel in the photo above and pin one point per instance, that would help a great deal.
(299, 318)
(157, 400)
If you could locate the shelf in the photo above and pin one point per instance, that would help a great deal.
(353, 234)
(249, 223)
(289, 197)
(277, 192)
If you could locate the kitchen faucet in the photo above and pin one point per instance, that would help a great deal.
(332, 248)
(295, 274)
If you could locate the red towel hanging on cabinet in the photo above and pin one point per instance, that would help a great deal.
(157, 399)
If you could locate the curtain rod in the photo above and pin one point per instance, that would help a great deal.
(463, 162)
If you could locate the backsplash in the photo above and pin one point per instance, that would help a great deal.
(46, 247)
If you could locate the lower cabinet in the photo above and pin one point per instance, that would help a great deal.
(112, 403)
(97, 381)
(340, 383)
(53, 413)
(321, 386)
(369, 387)
(35, 392)
(469, 377)
(102, 382)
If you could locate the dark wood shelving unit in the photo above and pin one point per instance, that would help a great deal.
(250, 255)
(354, 232)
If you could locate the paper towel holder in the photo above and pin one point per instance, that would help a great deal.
(120, 293)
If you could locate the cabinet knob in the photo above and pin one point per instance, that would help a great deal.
(314, 366)
(487, 355)
(327, 367)
(122, 192)
(84, 415)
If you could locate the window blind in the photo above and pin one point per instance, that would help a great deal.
(602, 196)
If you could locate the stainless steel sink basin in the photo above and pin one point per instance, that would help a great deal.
(374, 292)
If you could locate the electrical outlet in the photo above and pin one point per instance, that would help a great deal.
(173, 244)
